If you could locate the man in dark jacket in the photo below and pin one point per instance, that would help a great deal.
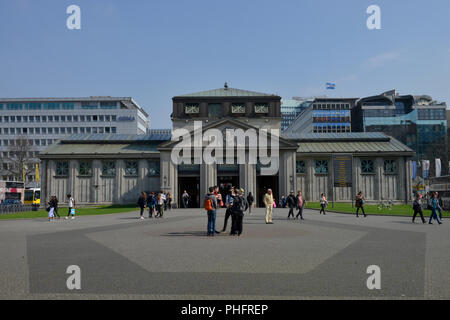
(240, 205)
(291, 204)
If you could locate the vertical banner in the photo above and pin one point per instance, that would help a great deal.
(414, 170)
(438, 167)
(37, 172)
(425, 168)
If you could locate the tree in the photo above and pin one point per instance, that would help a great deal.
(19, 161)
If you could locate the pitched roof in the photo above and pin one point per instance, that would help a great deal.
(225, 92)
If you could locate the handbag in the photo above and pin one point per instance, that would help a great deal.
(274, 204)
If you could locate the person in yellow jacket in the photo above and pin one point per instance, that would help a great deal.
(268, 202)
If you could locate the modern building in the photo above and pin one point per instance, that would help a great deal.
(106, 169)
(417, 121)
(291, 108)
(324, 115)
(42, 121)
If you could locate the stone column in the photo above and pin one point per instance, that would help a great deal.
(287, 176)
(168, 174)
(208, 178)
(379, 179)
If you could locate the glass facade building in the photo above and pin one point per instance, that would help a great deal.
(417, 121)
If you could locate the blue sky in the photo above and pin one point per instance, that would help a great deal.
(153, 50)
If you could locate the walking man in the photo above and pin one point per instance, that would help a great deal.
(300, 203)
(268, 202)
(434, 207)
(211, 207)
(417, 207)
(185, 198)
(291, 203)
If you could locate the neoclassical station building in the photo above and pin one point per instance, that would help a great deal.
(115, 168)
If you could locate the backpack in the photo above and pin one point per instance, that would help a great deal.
(238, 204)
(208, 204)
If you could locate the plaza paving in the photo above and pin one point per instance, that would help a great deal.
(323, 257)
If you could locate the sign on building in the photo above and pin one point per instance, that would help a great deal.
(342, 170)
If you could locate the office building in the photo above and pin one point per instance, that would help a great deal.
(324, 115)
(291, 108)
(417, 121)
(42, 121)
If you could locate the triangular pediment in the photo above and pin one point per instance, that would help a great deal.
(223, 125)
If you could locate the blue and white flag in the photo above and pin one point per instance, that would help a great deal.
(331, 86)
(425, 168)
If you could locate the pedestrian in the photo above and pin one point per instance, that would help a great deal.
(323, 203)
(434, 202)
(51, 208)
(71, 211)
(291, 203)
(169, 200)
(239, 206)
(159, 206)
(359, 203)
(142, 200)
(228, 203)
(417, 207)
(268, 202)
(250, 200)
(440, 205)
(164, 203)
(218, 197)
(300, 204)
(211, 208)
(56, 207)
(185, 198)
(151, 204)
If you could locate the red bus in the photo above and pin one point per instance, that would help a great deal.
(12, 192)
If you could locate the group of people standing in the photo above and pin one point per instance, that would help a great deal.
(52, 208)
(156, 202)
(235, 203)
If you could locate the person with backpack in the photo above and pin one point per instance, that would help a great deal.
(291, 203)
(71, 211)
(141, 203)
(359, 203)
(417, 207)
(440, 205)
(211, 209)
(300, 204)
(240, 205)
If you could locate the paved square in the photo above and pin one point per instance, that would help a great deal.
(320, 257)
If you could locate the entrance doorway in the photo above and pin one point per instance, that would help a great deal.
(225, 183)
(192, 187)
(262, 184)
